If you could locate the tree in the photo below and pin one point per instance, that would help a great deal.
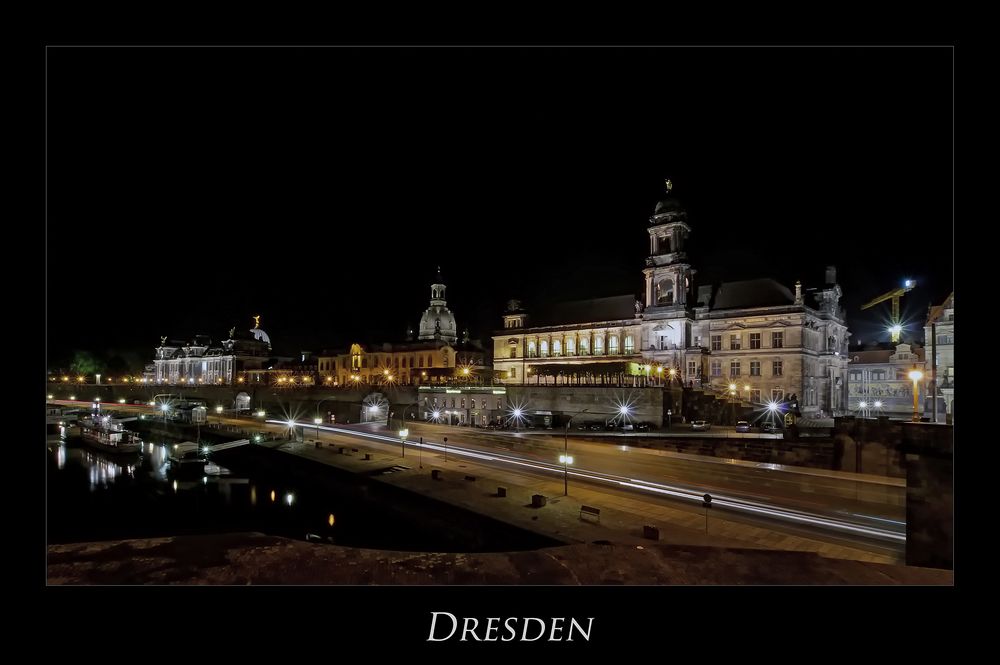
(86, 363)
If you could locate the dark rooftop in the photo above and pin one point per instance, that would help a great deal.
(752, 293)
(613, 308)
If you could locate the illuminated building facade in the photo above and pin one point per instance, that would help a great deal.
(943, 336)
(879, 383)
(759, 334)
(201, 362)
(437, 356)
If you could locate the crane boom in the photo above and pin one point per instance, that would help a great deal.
(895, 293)
(894, 296)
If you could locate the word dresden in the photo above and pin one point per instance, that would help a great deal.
(513, 629)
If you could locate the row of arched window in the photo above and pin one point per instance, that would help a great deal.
(542, 348)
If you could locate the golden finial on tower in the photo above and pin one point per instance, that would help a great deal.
(256, 322)
(669, 185)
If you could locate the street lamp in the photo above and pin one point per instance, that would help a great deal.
(915, 376)
(316, 422)
(402, 440)
(218, 412)
(565, 458)
(771, 408)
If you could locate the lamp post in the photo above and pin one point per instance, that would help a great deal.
(316, 422)
(565, 458)
(732, 398)
(218, 412)
(915, 376)
(321, 404)
(402, 440)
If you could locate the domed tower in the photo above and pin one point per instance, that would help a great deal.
(437, 322)
(669, 277)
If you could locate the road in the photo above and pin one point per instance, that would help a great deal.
(859, 510)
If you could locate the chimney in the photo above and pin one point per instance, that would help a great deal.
(831, 275)
(798, 292)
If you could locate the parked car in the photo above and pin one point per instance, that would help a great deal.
(701, 425)
(642, 427)
(596, 427)
(742, 426)
(768, 427)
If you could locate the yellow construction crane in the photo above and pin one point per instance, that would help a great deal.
(896, 326)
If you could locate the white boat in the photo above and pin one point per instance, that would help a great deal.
(108, 434)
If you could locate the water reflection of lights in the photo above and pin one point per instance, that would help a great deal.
(102, 472)
(61, 455)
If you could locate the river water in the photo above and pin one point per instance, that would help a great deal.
(94, 496)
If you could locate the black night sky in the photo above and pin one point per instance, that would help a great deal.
(190, 188)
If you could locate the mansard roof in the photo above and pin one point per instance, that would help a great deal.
(749, 293)
(614, 308)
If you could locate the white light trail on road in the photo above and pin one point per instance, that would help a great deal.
(718, 500)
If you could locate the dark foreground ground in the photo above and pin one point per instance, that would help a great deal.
(253, 558)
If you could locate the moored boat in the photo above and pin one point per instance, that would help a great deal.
(108, 434)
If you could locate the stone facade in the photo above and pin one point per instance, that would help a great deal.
(879, 383)
(939, 334)
(201, 361)
(758, 334)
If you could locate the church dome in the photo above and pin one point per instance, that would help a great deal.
(668, 204)
(438, 322)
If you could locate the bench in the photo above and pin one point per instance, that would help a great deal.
(591, 511)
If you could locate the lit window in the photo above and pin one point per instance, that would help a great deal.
(754, 368)
(556, 347)
(755, 395)
(629, 344)
(544, 347)
(613, 344)
(716, 342)
(734, 368)
(599, 346)
(734, 342)
(570, 346)
(716, 368)
(531, 349)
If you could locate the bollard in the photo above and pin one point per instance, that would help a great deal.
(436, 474)
(650, 532)
(368, 456)
(537, 500)
(501, 491)
(342, 449)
